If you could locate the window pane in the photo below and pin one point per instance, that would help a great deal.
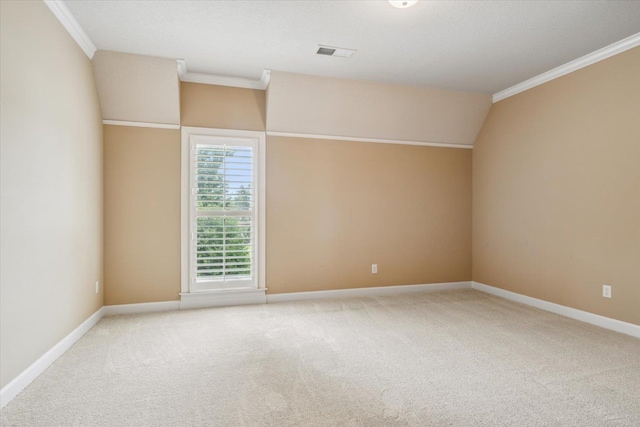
(224, 247)
(223, 178)
(223, 202)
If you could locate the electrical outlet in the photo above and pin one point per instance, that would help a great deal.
(374, 268)
(606, 291)
(97, 287)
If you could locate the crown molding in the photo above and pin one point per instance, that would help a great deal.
(212, 79)
(182, 68)
(62, 12)
(591, 58)
(265, 79)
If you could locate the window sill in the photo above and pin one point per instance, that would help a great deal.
(222, 297)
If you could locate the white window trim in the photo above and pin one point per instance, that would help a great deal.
(187, 133)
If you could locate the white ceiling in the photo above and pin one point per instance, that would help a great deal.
(483, 46)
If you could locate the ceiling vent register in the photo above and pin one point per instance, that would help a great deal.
(337, 52)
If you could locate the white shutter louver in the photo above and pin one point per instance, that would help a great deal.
(223, 220)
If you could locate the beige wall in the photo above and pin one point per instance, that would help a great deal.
(348, 191)
(222, 107)
(556, 191)
(51, 186)
(319, 105)
(335, 207)
(137, 88)
(142, 214)
(142, 192)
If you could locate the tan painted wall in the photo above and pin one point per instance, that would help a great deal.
(222, 107)
(142, 214)
(137, 88)
(335, 207)
(319, 105)
(556, 191)
(50, 186)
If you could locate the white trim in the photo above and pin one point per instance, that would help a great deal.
(265, 79)
(182, 68)
(359, 139)
(18, 384)
(600, 54)
(212, 79)
(140, 124)
(222, 298)
(68, 21)
(583, 316)
(185, 208)
(185, 190)
(145, 307)
(261, 199)
(364, 292)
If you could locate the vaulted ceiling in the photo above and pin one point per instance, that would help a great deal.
(483, 46)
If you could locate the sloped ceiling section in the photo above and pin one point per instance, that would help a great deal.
(305, 104)
(137, 88)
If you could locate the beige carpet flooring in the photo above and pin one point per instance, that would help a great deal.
(455, 358)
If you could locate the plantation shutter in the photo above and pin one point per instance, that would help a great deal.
(224, 214)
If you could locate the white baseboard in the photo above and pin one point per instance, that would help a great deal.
(222, 298)
(216, 299)
(363, 292)
(583, 316)
(18, 384)
(192, 300)
(145, 307)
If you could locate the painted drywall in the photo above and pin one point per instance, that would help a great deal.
(222, 107)
(299, 103)
(556, 191)
(51, 185)
(137, 88)
(141, 215)
(336, 207)
(142, 192)
(332, 206)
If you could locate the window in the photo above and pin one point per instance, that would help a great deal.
(222, 222)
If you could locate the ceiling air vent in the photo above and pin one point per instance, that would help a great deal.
(338, 52)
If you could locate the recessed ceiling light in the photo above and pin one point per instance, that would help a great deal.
(402, 4)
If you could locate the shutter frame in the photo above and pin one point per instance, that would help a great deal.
(226, 280)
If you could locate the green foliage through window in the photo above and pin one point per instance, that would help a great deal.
(223, 187)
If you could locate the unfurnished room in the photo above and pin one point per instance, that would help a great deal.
(320, 213)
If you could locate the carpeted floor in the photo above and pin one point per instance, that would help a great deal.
(455, 358)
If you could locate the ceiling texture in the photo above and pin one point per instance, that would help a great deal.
(481, 46)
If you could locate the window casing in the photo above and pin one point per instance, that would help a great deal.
(223, 230)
